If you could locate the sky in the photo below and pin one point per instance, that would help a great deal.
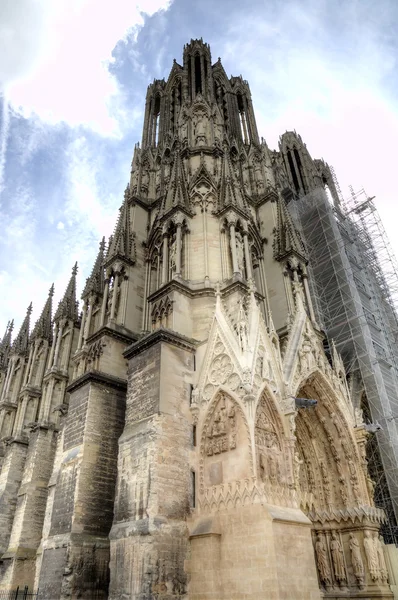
(73, 79)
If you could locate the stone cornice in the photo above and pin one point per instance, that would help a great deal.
(181, 286)
(97, 377)
(160, 335)
(124, 336)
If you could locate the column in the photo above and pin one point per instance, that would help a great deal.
(45, 411)
(31, 366)
(20, 417)
(206, 252)
(17, 386)
(123, 299)
(104, 302)
(165, 258)
(26, 378)
(86, 333)
(82, 325)
(68, 347)
(235, 269)
(249, 272)
(10, 373)
(57, 347)
(308, 297)
(178, 256)
(42, 366)
(146, 293)
(114, 295)
(52, 351)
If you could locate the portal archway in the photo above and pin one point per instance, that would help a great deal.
(331, 480)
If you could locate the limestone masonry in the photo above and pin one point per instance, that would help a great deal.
(151, 444)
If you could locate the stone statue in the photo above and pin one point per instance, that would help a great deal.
(337, 558)
(322, 560)
(297, 464)
(239, 252)
(380, 555)
(200, 122)
(356, 559)
(371, 488)
(371, 556)
(173, 254)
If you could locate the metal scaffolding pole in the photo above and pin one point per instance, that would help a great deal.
(354, 301)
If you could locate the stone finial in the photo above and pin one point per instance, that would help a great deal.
(20, 344)
(68, 306)
(43, 326)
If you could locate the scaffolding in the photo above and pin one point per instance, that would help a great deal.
(355, 306)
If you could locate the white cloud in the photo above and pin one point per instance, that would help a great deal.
(5, 126)
(54, 56)
(60, 225)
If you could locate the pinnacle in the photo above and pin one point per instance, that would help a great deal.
(20, 344)
(68, 307)
(5, 345)
(43, 327)
(95, 283)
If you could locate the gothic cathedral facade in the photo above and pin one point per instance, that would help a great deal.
(153, 446)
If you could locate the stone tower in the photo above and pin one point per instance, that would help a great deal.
(166, 456)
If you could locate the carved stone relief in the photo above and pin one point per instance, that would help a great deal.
(371, 556)
(270, 461)
(221, 434)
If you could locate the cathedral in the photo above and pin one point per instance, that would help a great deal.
(183, 434)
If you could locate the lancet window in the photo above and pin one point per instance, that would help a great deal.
(296, 170)
(175, 104)
(243, 117)
(153, 133)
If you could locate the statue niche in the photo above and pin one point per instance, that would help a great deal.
(269, 445)
(225, 443)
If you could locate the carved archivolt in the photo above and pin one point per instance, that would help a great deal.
(272, 455)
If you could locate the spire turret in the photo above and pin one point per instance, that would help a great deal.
(95, 283)
(43, 327)
(20, 344)
(121, 244)
(68, 306)
(177, 194)
(5, 345)
(287, 239)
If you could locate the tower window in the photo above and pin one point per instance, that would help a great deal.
(293, 171)
(198, 75)
(300, 167)
(193, 489)
(243, 119)
(194, 435)
(155, 121)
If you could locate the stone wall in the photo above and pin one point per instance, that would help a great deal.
(149, 537)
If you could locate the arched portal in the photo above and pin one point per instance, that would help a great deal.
(331, 479)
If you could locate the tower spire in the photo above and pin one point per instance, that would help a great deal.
(95, 283)
(5, 345)
(43, 326)
(20, 344)
(68, 306)
(121, 243)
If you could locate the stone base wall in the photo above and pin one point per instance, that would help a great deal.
(247, 553)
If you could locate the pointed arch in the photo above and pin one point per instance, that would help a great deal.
(329, 472)
(224, 436)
